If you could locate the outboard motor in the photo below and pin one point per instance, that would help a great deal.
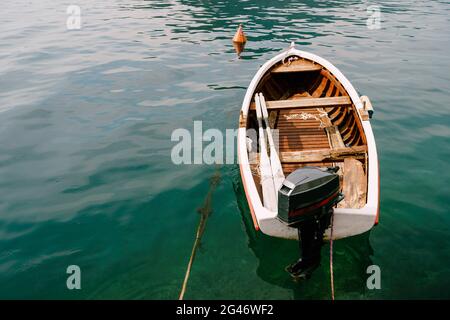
(305, 201)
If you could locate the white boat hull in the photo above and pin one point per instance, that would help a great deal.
(347, 221)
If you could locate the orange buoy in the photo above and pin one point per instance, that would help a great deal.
(239, 36)
(239, 40)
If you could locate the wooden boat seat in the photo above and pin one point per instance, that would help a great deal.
(304, 103)
(320, 155)
(297, 66)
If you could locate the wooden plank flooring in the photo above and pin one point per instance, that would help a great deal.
(297, 134)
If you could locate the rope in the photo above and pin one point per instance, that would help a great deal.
(331, 258)
(205, 212)
(191, 260)
(287, 54)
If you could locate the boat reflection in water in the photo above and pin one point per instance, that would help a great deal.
(352, 256)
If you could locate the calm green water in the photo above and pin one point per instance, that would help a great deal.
(86, 118)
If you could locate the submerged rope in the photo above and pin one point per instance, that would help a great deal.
(331, 258)
(205, 212)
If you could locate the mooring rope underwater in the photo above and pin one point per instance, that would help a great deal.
(331, 258)
(205, 212)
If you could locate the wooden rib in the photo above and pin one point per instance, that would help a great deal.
(351, 134)
(333, 113)
(348, 125)
(355, 137)
(323, 155)
(306, 103)
(297, 66)
(330, 90)
(341, 119)
(348, 131)
(328, 75)
(318, 92)
(315, 84)
(325, 90)
(335, 92)
(360, 128)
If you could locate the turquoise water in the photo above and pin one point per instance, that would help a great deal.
(86, 176)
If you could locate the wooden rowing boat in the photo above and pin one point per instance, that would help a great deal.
(321, 121)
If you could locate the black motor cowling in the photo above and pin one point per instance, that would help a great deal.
(305, 192)
(305, 201)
